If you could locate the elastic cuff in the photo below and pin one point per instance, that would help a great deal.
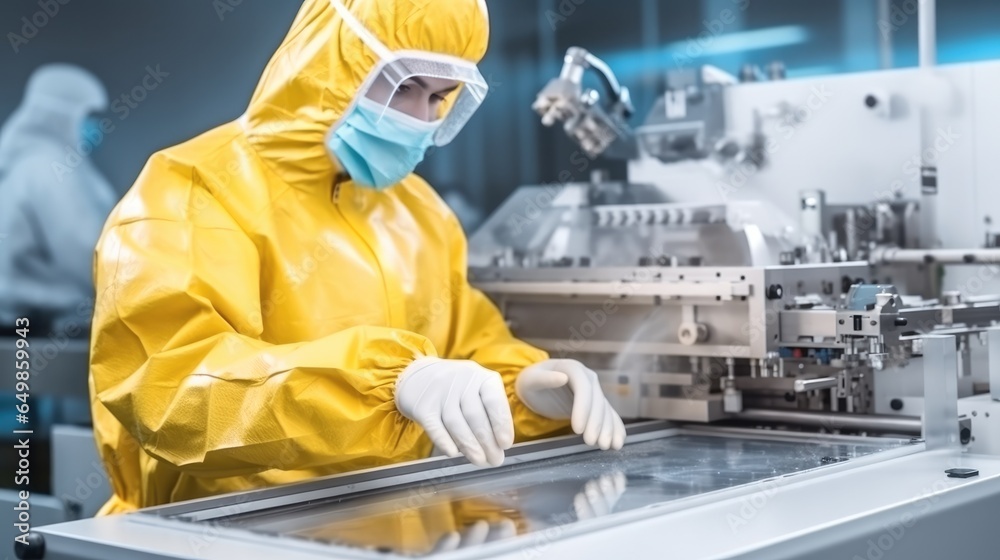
(421, 363)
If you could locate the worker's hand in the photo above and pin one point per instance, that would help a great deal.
(599, 496)
(561, 389)
(461, 405)
(480, 532)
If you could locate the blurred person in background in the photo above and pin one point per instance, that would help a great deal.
(54, 201)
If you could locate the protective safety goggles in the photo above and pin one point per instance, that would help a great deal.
(425, 85)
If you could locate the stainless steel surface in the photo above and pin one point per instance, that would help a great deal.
(940, 430)
(926, 320)
(891, 255)
(993, 358)
(809, 326)
(592, 226)
(567, 346)
(853, 422)
(803, 385)
(984, 413)
(694, 408)
(719, 291)
(689, 120)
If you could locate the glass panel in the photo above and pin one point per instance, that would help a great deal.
(461, 511)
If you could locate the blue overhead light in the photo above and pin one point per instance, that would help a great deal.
(741, 41)
(692, 51)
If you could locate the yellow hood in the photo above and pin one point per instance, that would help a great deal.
(316, 72)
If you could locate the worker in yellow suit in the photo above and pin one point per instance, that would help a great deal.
(280, 298)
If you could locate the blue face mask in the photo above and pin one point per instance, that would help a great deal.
(379, 153)
(91, 133)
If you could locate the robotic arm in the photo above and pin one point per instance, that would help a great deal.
(598, 130)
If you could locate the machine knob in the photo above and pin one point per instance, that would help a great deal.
(775, 291)
(896, 404)
(690, 334)
(34, 550)
(900, 322)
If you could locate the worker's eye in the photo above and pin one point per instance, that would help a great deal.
(404, 89)
(437, 98)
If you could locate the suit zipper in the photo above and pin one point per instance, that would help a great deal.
(371, 251)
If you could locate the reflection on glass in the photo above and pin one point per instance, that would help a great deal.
(460, 511)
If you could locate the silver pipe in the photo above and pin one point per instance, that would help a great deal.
(804, 385)
(885, 34)
(834, 421)
(851, 234)
(889, 255)
(927, 22)
(928, 32)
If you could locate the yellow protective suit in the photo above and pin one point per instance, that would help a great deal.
(254, 311)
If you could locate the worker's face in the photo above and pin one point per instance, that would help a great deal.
(420, 97)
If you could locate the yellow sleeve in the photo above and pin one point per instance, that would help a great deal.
(178, 360)
(481, 334)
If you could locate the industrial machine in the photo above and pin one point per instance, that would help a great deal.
(810, 363)
(702, 313)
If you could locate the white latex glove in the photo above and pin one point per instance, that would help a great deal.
(561, 389)
(461, 405)
(476, 534)
(599, 496)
